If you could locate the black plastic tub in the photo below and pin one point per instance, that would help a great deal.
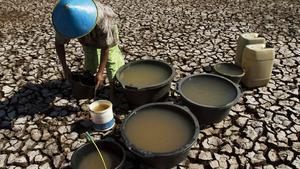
(162, 160)
(209, 113)
(108, 145)
(137, 95)
(230, 71)
(83, 85)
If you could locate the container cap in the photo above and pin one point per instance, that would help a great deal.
(74, 18)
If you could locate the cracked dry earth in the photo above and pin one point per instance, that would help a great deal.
(38, 112)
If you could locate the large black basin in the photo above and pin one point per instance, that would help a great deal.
(207, 89)
(230, 71)
(167, 159)
(146, 93)
(108, 145)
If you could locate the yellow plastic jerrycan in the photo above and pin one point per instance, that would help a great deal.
(244, 40)
(258, 64)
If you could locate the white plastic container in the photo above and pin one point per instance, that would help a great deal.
(102, 115)
(244, 40)
(258, 64)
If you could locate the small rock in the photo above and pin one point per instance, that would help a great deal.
(11, 158)
(14, 167)
(214, 164)
(21, 120)
(292, 137)
(260, 147)
(196, 166)
(282, 136)
(46, 135)
(3, 158)
(30, 127)
(296, 146)
(7, 89)
(41, 51)
(271, 138)
(233, 163)
(268, 167)
(256, 159)
(69, 155)
(62, 139)
(238, 108)
(32, 155)
(251, 100)
(205, 155)
(245, 143)
(296, 162)
(62, 129)
(28, 145)
(51, 149)
(273, 155)
(77, 144)
(212, 142)
(15, 146)
(33, 166)
(283, 166)
(222, 160)
(40, 159)
(241, 121)
(57, 160)
(45, 166)
(286, 155)
(40, 145)
(250, 133)
(36, 134)
(72, 136)
(19, 128)
(243, 160)
(21, 161)
(274, 108)
(226, 148)
(193, 154)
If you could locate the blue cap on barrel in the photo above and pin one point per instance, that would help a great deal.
(74, 18)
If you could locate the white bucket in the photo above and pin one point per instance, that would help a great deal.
(102, 115)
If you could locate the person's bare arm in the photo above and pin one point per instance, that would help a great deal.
(60, 50)
(103, 61)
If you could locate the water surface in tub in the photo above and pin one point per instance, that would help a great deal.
(93, 161)
(209, 91)
(159, 130)
(144, 75)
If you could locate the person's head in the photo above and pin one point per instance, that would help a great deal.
(74, 18)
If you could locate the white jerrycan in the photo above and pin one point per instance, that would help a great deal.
(258, 64)
(244, 40)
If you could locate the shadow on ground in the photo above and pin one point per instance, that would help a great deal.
(52, 98)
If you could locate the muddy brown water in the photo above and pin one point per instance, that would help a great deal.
(93, 161)
(100, 107)
(159, 130)
(144, 75)
(209, 91)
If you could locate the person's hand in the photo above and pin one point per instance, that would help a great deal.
(99, 80)
(67, 73)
